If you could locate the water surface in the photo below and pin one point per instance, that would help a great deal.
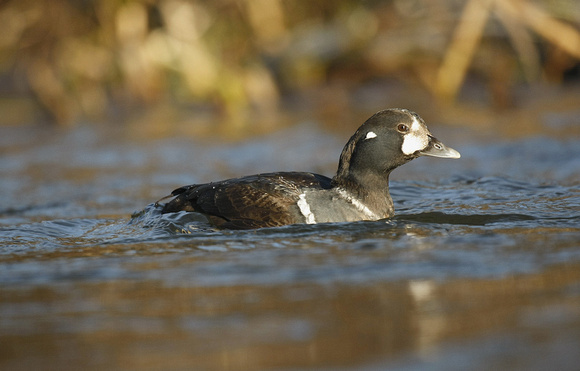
(480, 269)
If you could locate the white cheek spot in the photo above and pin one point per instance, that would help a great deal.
(415, 140)
(371, 135)
(305, 209)
(413, 143)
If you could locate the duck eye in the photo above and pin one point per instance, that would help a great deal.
(402, 128)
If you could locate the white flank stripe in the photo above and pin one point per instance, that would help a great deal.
(305, 209)
(359, 205)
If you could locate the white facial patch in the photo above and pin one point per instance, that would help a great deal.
(371, 135)
(416, 139)
(305, 209)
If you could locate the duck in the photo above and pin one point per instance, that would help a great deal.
(359, 191)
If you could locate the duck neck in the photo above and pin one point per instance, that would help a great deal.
(370, 188)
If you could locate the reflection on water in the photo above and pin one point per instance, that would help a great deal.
(480, 269)
(134, 323)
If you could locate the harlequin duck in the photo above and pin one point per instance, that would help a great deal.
(358, 191)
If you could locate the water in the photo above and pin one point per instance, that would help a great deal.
(480, 268)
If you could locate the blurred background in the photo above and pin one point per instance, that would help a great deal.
(240, 65)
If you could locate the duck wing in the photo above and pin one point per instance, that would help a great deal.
(256, 201)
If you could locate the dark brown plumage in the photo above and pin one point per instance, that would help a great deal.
(255, 201)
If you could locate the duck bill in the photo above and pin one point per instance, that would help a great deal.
(438, 149)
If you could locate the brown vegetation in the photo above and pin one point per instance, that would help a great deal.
(80, 58)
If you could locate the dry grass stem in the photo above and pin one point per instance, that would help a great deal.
(558, 33)
(460, 52)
